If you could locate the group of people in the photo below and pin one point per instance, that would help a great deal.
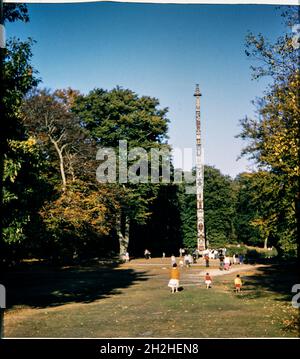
(175, 277)
(126, 257)
(237, 282)
(187, 259)
(225, 261)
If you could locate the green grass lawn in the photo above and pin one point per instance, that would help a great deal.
(133, 300)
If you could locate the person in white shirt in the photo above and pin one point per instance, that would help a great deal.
(173, 259)
(186, 261)
(226, 263)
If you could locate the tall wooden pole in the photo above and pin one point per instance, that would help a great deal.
(199, 176)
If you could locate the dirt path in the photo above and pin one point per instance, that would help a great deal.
(216, 272)
(195, 274)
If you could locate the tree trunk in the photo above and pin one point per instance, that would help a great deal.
(123, 234)
(61, 163)
(72, 173)
(70, 165)
(266, 242)
(127, 227)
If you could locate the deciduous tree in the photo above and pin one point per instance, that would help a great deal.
(273, 137)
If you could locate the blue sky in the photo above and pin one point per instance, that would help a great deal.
(161, 51)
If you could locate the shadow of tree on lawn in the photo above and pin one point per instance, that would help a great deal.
(276, 278)
(44, 286)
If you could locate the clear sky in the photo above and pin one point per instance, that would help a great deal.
(161, 51)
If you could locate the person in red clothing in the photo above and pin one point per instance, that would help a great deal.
(208, 280)
(206, 258)
(237, 283)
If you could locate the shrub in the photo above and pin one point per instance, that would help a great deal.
(251, 254)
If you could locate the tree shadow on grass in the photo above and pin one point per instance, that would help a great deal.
(43, 286)
(276, 278)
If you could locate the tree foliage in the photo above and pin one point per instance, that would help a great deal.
(219, 204)
(15, 12)
(20, 166)
(48, 117)
(120, 114)
(280, 59)
(273, 137)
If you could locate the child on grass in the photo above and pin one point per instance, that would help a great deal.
(208, 280)
(174, 278)
(237, 283)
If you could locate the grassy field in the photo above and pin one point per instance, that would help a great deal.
(133, 300)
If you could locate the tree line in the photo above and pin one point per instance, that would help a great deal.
(54, 208)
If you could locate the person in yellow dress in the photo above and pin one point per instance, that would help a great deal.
(237, 283)
(174, 278)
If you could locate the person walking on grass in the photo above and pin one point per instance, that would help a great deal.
(174, 278)
(226, 263)
(186, 261)
(147, 254)
(241, 259)
(237, 283)
(206, 258)
(173, 259)
(221, 259)
(208, 280)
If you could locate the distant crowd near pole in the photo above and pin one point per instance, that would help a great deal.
(187, 258)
